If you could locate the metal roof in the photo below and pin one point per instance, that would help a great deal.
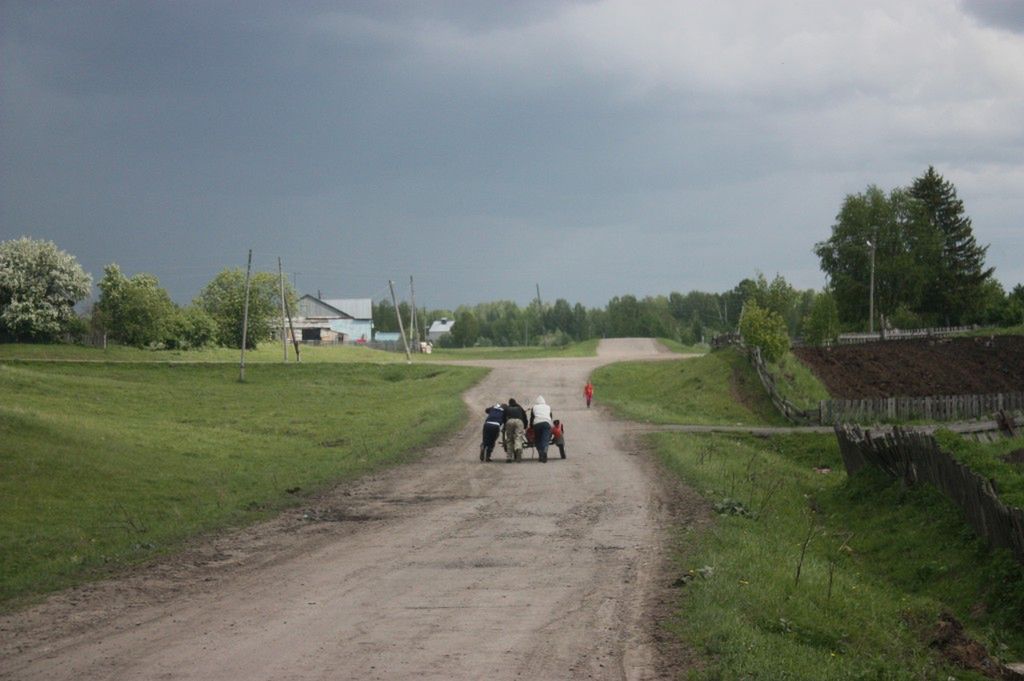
(358, 308)
(441, 326)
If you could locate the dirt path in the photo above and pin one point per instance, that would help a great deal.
(442, 569)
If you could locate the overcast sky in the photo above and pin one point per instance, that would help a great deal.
(593, 148)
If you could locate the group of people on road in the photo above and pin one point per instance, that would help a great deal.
(518, 426)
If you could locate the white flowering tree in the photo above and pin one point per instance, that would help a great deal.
(39, 287)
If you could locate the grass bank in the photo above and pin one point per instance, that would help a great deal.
(1002, 462)
(809, 575)
(272, 353)
(265, 353)
(106, 465)
(583, 349)
(717, 388)
(677, 347)
(797, 383)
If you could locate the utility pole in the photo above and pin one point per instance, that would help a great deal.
(540, 311)
(245, 320)
(871, 294)
(291, 330)
(398, 314)
(413, 329)
(284, 329)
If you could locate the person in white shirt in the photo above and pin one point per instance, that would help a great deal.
(541, 421)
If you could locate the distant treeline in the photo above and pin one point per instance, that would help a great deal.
(688, 318)
(907, 259)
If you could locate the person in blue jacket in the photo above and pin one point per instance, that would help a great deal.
(492, 428)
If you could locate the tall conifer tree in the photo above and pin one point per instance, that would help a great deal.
(960, 275)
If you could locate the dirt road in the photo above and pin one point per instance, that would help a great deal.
(442, 569)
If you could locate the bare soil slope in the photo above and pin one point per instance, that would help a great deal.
(442, 569)
(951, 366)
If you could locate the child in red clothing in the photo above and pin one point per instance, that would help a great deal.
(558, 436)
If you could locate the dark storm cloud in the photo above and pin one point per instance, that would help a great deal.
(1004, 14)
(468, 15)
(626, 147)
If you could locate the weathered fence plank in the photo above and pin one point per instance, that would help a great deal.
(916, 457)
(931, 408)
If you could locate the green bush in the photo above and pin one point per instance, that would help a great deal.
(190, 328)
(821, 325)
(135, 310)
(764, 329)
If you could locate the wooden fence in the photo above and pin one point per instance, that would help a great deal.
(931, 408)
(793, 413)
(916, 457)
(723, 340)
(903, 334)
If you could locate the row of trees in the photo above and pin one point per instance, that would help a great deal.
(40, 286)
(688, 318)
(929, 268)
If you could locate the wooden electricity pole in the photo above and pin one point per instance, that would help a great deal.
(398, 314)
(245, 320)
(414, 332)
(291, 330)
(284, 329)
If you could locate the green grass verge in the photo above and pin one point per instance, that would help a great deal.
(797, 383)
(105, 465)
(717, 388)
(273, 353)
(987, 460)
(583, 349)
(881, 563)
(676, 346)
(265, 353)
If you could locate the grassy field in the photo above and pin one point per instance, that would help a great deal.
(273, 353)
(105, 465)
(584, 349)
(265, 353)
(877, 564)
(718, 388)
(676, 346)
(797, 383)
